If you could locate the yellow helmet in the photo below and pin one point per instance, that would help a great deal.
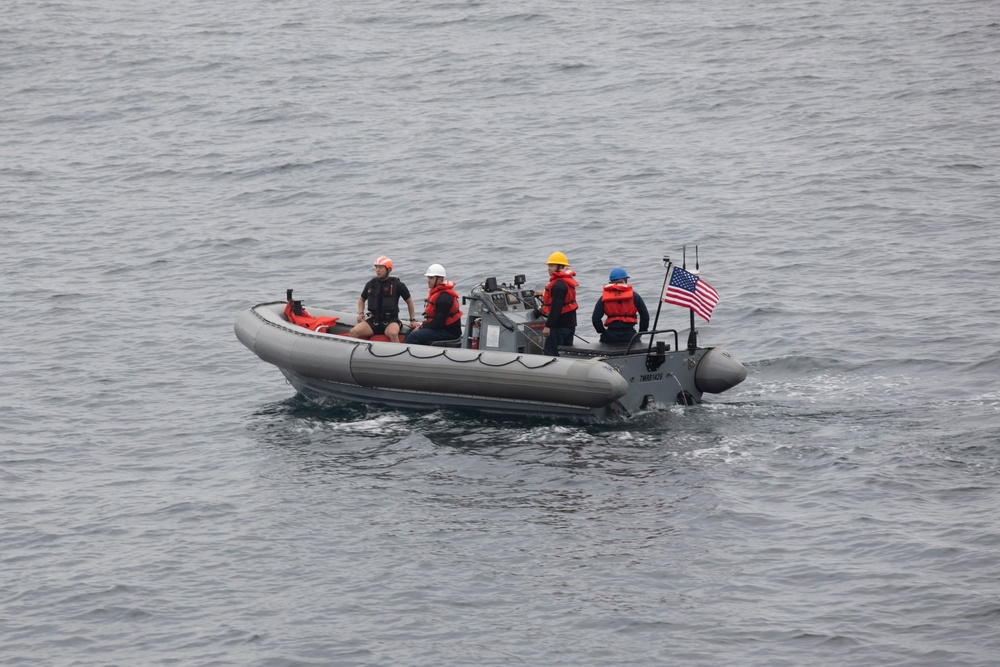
(558, 258)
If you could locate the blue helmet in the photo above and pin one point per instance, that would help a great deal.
(617, 273)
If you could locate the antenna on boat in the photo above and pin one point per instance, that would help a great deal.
(692, 333)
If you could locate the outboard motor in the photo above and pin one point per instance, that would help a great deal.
(718, 371)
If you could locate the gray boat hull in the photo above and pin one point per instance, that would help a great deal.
(588, 380)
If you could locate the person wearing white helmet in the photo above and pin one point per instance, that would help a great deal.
(382, 293)
(442, 315)
(623, 308)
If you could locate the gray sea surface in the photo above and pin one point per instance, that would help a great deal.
(167, 499)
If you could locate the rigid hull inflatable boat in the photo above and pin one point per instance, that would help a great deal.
(497, 365)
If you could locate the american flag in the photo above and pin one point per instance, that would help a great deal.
(687, 290)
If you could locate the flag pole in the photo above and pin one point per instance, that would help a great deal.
(663, 292)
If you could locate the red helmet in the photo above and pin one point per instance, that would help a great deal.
(384, 261)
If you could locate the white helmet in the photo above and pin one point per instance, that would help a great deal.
(435, 270)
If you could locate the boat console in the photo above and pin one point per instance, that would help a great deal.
(501, 317)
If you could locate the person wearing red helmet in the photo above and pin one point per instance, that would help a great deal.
(382, 293)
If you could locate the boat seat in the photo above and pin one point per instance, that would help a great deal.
(451, 342)
(599, 349)
(385, 339)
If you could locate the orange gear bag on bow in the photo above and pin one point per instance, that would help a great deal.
(299, 316)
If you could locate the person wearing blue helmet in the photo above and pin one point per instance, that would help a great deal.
(619, 309)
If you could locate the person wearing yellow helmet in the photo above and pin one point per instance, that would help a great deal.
(558, 258)
(559, 304)
(382, 293)
(622, 307)
(442, 315)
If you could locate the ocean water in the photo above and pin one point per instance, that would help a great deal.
(167, 499)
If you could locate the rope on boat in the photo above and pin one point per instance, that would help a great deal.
(406, 350)
(444, 353)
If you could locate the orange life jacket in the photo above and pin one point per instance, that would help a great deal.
(619, 306)
(299, 316)
(454, 314)
(570, 304)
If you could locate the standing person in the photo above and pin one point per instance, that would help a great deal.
(442, 316)
(559, 304)
(622, 306)
(382, 294)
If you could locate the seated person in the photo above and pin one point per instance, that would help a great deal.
(442, 316)
(382, 294)
(622, 308)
